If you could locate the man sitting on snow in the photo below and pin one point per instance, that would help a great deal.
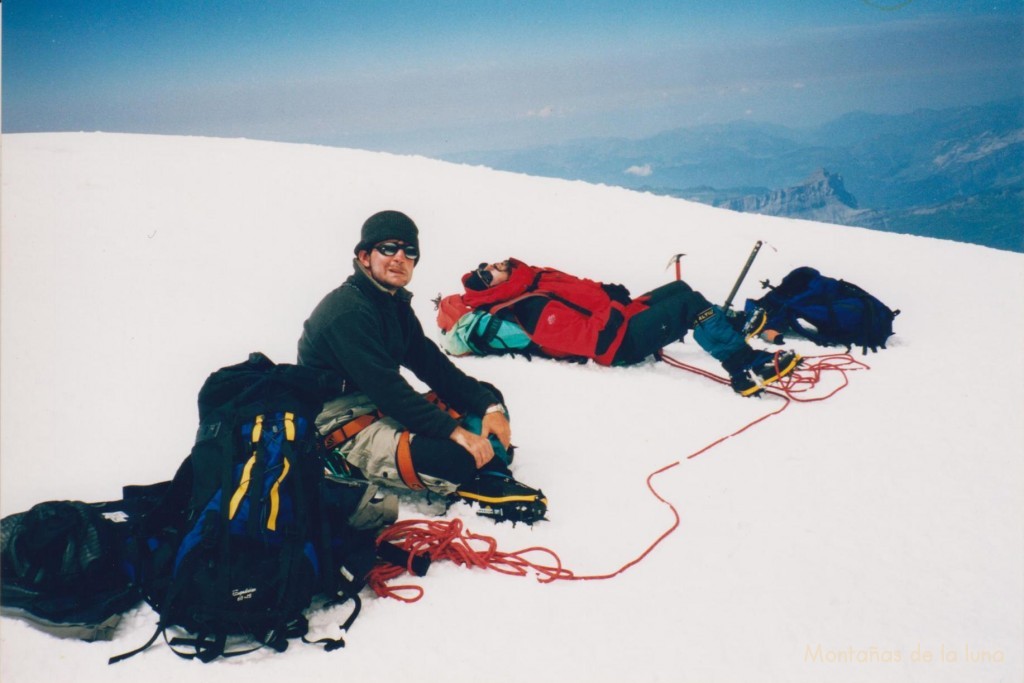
(381, 428)
(566, 316)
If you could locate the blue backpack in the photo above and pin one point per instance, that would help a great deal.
(826, 311)
(250, 531)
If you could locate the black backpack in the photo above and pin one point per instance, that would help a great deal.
(827, 311)
(250, 533)
(63, 568)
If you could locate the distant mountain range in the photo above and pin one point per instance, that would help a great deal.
(953, 173)
(821, 197)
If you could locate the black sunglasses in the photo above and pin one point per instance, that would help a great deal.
(391, 248)
(486, 276)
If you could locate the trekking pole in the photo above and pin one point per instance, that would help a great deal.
(675, 259)
(743, 274)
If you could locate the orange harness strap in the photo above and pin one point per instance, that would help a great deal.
(403, 454)
(403, 458)
(350, 429)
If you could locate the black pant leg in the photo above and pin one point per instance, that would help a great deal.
(670, 314)
(445, 459)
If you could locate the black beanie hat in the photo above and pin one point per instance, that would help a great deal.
(388, 225)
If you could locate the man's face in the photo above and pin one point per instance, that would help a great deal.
(390, 271)
(498, 272)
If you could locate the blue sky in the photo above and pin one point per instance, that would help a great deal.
(440, 76)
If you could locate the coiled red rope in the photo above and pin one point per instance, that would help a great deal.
(791, 387)
(450, 540)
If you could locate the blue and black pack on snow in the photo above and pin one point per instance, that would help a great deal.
(250, 533)
(825, 310)
(63, 568)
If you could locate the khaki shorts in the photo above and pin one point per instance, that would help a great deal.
(374, 449)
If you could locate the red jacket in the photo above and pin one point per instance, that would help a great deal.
(578, 317)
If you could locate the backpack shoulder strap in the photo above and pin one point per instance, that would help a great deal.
(489, 333)
(502, 305)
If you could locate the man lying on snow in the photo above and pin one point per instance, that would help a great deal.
(381, 428)
(563, 316)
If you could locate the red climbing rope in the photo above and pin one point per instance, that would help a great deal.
(450, 540)
(806, 377)
(790, 388)
(810, 372)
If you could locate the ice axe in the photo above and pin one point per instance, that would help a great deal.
(743, 274)
(675, 260)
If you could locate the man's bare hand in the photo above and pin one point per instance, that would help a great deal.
(478, 446)
(496, 423)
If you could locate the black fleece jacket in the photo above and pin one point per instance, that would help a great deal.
(365, 333)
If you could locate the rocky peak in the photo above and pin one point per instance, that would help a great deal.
(821, 195)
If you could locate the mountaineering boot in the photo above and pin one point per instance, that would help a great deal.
(754, 323)
(738, 366)
(743, 385)
(750, 371)
(781, 364)
(752, 380)
(502, 498)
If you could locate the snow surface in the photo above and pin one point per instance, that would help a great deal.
(845, 540)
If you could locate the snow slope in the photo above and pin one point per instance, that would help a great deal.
(845, 540)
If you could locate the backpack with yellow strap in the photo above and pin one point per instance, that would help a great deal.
(254, 538)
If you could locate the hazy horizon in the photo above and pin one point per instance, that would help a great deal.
(444, 78)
